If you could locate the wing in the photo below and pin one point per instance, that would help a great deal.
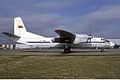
(10, 35)
(65, 37)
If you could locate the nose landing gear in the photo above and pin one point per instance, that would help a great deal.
(101, 50)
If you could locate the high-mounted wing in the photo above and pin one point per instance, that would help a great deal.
(65, 37)
(10, 35)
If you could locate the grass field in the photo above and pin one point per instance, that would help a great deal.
(67, 67)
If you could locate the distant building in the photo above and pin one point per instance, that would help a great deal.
(7, 46)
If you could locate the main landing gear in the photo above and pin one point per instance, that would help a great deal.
(67, 48)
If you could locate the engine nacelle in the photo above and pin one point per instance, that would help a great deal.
(81, 38)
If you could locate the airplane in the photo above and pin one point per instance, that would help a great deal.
(65, 40)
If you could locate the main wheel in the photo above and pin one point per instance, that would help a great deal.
(67, 50)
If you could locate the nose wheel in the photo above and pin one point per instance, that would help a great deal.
(101, 50)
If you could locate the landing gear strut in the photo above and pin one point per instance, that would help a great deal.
(67, 48)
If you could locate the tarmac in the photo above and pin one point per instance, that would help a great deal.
(59, 52)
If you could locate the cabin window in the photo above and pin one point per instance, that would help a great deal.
(107, 41)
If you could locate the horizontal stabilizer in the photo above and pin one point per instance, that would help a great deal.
(10, 35)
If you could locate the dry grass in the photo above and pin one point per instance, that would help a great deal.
(67, 67)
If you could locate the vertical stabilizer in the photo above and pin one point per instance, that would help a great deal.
(19, 27)
(20, 30)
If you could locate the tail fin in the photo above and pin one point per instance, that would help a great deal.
(20, 30)
(19, 27)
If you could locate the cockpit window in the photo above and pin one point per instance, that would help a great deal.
(107, 41)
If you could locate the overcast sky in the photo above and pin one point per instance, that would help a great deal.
(98, 17)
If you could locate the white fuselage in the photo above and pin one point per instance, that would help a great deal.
(81, 41)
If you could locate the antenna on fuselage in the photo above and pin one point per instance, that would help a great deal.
(90, 30)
